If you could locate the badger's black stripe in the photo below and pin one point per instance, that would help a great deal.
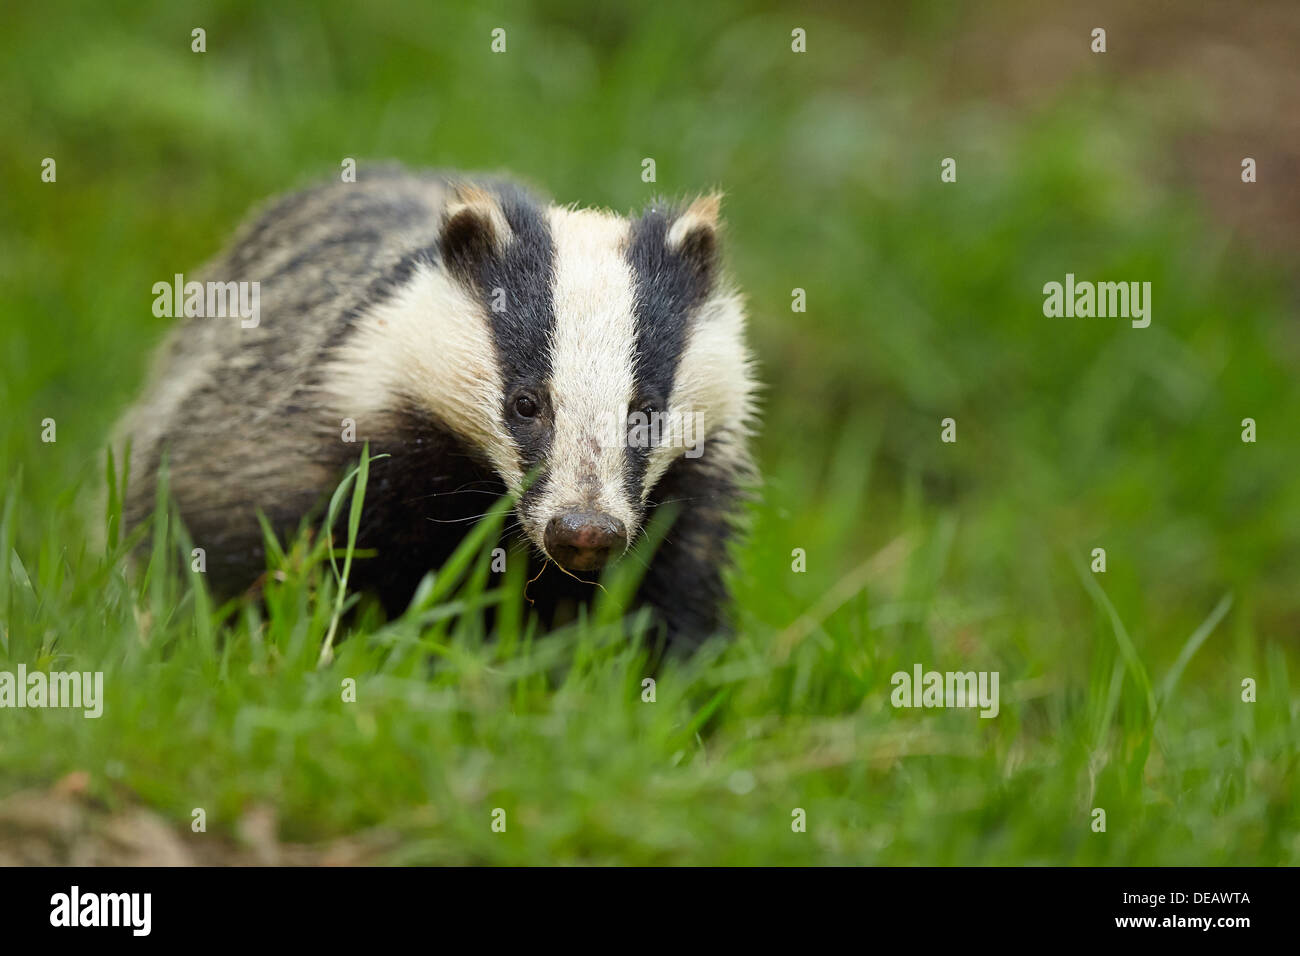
(669, 285)
(516, 286)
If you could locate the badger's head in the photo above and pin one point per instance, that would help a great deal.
(578, 348)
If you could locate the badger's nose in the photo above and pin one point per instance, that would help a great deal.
(582, 540)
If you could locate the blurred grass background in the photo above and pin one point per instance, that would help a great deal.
(924, 302)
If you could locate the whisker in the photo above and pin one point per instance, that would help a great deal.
(670, 501)
(457, 520)
(463, 490)
(631, 553)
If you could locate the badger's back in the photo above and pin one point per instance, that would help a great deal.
(238, 412)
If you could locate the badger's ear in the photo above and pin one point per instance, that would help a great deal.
(474, 227)
(694, 234)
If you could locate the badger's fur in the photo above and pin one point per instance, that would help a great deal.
(476, 336)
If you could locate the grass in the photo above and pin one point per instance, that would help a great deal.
(1120, 690)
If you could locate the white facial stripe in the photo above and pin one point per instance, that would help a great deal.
(714, 380)
(431, 343)
(592, 374)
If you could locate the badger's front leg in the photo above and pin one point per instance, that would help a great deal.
(685, 584)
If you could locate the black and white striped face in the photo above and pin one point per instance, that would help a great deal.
(580, 349)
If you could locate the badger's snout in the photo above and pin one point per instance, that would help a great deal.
(583, 540)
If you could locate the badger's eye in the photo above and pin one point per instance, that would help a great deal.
(646, 407)
(526, 406)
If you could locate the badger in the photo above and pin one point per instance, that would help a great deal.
(485, 342)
